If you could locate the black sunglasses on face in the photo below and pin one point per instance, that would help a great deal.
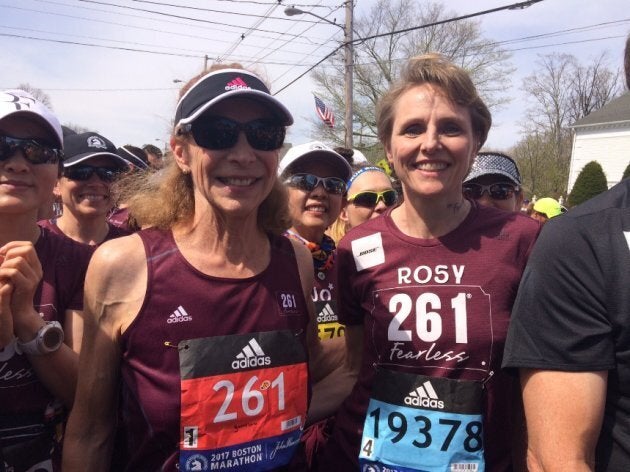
(222, 133)
(85, 172)
(309, 182)
(499, 191)
(34, 150)
(369, 199)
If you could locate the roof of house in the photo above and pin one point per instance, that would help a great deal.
(613, 112)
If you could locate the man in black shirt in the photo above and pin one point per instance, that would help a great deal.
(570, 337)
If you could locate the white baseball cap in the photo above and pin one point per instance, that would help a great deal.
(314, 151)
(19, 102)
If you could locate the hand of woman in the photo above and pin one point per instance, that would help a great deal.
(22, 270)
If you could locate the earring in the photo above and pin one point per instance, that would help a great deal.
(185, 171)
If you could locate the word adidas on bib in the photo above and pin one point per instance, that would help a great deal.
(251, 355)
(425, 396)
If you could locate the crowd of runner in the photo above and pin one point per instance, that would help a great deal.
(232, 306)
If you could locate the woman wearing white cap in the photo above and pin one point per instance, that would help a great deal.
(316, 176)
(41, 291)
(205, 315)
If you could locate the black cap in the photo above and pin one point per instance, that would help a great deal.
(225, 83)
(84, 146)
(134, 155)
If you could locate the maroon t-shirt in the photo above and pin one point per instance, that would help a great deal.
(64, 263)
(392, 284)
(182, 303)
(113, 232)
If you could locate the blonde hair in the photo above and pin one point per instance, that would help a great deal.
(338, 229)
(434, 69)
(165, 198)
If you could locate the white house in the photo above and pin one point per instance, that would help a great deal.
(603, 136)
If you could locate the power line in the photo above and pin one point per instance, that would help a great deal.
(413, 28)
(363, 63)
(181, 34)
(190, 18)
(210, 10)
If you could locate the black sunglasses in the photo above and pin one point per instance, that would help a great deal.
(218, 133)
(85, 172)
(499, 191)
(35, 151)
(369, 199)
(308, 182)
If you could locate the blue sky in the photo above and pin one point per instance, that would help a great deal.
(129, 96)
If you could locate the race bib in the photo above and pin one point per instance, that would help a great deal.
(416, 423)
(243, 401)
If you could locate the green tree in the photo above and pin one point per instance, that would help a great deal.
(377, 61)
(591, 181)
(626, 173)
(560, 92)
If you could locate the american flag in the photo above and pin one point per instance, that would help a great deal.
(325, 113)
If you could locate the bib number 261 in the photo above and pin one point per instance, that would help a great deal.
(252, 400)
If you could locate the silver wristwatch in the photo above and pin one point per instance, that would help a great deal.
(49, 338)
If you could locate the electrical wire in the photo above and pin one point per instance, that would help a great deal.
(181, 17)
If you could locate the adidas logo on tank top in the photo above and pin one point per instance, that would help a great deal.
(425, 395)
(179, 316)
(251, 355)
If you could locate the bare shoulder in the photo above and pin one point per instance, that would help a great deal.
(118, 259)
(116, 280)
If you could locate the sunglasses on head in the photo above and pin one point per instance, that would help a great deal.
(369, 199)
(85, 172)
(34, 150)
(309, 182)
(499, 191)
(222, 133)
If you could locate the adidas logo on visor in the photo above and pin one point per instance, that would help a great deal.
(251, 355)
(236, 84)
(424, 395)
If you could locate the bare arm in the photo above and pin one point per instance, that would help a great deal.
(332, 380)
(564, 412)
(114, 290)
(20, 275)
(333, 389)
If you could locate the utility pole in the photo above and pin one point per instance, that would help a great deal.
(348, 62)
(348, 73)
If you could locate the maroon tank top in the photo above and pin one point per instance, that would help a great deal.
(182, 303)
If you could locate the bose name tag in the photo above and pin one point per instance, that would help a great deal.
(368, 251)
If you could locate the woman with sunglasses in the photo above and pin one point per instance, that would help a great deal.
(315, 176)
(84, 188)
(369, 193)
(494, 180)
(41, 291)
(204, 316)
(425, 294)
